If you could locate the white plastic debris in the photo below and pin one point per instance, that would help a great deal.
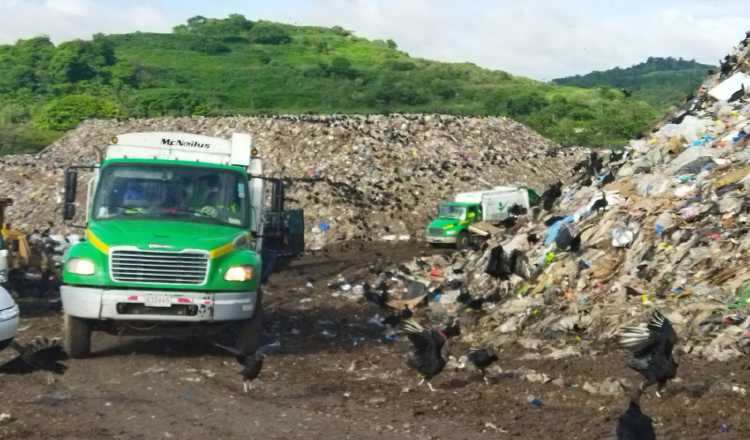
(729, 86)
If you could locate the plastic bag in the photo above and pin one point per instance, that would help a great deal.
(689, 156)
(652, 185)
(691, 129)
(624, 233)
(664, 222)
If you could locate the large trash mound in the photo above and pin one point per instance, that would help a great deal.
(380, 176)
(674, 234)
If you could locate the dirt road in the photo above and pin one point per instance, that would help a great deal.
(337, 378)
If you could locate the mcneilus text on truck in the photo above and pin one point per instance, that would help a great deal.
(177, 240)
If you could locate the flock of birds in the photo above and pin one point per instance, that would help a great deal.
(652, 345)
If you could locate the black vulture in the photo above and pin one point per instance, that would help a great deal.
(652, 347)
(427, 354)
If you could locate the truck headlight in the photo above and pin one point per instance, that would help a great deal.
(239, 273)
(80, 266)
(450, 232)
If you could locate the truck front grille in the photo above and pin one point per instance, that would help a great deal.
(158, 267)
(436, 231)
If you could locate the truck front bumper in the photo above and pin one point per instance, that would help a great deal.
(157, 305)
(443, 239)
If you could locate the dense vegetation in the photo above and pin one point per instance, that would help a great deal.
(235, 66)
(662, 82)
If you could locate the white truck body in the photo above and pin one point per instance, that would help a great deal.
(495, 202)
(182, 146)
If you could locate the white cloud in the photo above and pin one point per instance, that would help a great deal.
(68, 19)
(69, 7)
(543, 38)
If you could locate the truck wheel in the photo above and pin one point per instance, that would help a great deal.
(250, 331)
(462, 240)
(76, 336)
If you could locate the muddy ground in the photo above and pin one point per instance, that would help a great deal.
(335, 377)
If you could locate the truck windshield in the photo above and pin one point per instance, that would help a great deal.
(172, 192)
(449, 211)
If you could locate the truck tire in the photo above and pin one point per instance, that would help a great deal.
(76, 337)
(462, 240)
(250, 331)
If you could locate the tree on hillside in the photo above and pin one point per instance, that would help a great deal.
(234, 25)
(342, 67)
(80, 60)
(269, 33)
(23, 65)
(67, 112)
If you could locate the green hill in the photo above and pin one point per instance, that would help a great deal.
(662, 82)
(235, 66)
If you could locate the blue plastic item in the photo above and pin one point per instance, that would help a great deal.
(741, 135)
(659, 230)
(553, 230)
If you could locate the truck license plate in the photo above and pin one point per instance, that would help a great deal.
(158, 301)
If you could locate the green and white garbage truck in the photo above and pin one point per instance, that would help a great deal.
(178, 241)
(451, 226)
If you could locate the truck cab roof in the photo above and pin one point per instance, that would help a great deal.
(461, 204)
(183, 147)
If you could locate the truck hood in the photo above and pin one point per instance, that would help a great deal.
(161, 234)
(444, 223)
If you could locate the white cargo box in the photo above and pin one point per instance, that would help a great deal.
(182, 146)
(495, 204)
(471, 197)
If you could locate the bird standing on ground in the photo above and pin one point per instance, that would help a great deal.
(427, 355)
(550, 195)
(634, 425)
(395, 319)
(379, 298)
(600, 204)
(517, 210)
(652, 347)
(481, 358)
(41, 354)
(251, 363)
(738, 94)
(465, 298)
(575, 244)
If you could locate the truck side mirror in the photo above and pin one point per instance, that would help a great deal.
(69, 211)
(71, 182)
(277, 195)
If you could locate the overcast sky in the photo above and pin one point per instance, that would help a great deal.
(542, 39)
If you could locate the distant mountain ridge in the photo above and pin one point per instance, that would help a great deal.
(662, 82)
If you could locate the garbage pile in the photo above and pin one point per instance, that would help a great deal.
(378, 177)
(664, 224)
(40, 275)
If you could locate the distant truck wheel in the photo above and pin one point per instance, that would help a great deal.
(250, 331)
(462, 240)
(76, 336)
